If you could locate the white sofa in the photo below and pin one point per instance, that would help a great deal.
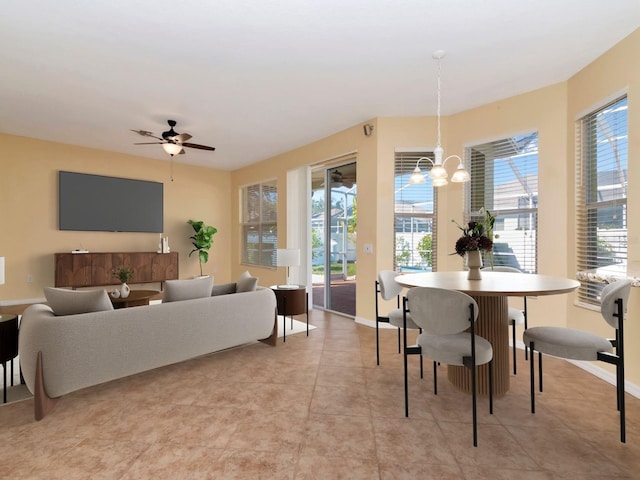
(64, 353)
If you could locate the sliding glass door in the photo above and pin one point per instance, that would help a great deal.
(333, 238)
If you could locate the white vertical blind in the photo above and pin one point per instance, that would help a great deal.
(601, 190)
(414, 215)
(259, 224)
(504, 180)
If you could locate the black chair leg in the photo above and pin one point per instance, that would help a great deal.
(4, 385)
(399, 348)
(491, 387)
(377, 343)
(474, 405)
(532, 379)
(620, 388)
(513, 341)
(406, 387)
(435, 378)
(540, 370)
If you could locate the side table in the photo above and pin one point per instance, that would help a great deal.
(8, 346)
(291, 300)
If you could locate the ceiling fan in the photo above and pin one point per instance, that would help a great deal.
(172, 142)
(338, 179)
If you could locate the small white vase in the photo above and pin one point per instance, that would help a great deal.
(124, 290)
(474, 264)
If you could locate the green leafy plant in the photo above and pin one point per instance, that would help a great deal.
(202, 240)
(403, 252)
(425, 250)
(124, 274)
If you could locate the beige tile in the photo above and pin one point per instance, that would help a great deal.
(411, 438)
(319, 407)
(340, 400)
(313, 467)
(339, 436)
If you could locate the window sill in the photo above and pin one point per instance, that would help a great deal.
(611, 273)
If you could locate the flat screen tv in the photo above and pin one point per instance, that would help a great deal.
(111, 204)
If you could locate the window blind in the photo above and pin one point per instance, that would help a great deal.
(259, 224)
(504, 181)
(415, 223)
(601, 191)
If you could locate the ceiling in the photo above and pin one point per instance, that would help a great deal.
(256, 78)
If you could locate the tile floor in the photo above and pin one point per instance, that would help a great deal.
(317, 407)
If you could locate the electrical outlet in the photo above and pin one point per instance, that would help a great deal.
(29, 278)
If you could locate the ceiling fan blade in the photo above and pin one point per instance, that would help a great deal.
(181, 152)
(145, 133)
(149, 143)
(195, 145)
(183, 137)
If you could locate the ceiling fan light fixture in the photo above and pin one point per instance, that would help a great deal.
(172, 148)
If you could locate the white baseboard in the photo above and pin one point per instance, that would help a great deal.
(9, 303)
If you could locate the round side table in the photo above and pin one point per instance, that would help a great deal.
(291, 300)
(8, 346)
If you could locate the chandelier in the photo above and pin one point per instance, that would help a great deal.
(438, 174)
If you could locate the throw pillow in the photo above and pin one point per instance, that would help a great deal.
(246, 283)
(72, 302)
(177, 290)
(223, 289)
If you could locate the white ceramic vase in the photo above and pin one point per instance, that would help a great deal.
(124, 290)
(474, 264)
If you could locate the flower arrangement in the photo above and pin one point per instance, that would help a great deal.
(124, 274)
(477, 235)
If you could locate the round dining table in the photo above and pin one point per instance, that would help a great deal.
(491, 293)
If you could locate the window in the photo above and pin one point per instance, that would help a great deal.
(504, 180)
(414, 216)
(601, 189)
(259, 224)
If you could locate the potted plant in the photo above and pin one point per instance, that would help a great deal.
(124, 274)
(202, 241)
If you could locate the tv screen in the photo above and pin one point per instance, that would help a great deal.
(97, 203)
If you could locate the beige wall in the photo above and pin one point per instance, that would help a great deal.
(550, 111)
(28, 192)
(29, 205)
(352, 139)
(613, 73)
(543, 111)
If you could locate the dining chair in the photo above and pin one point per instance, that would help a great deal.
(516, 316)
(388, 288)
(448, 319)
(580, 345)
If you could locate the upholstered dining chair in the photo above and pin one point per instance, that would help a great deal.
(516, 316)
(580, 345)
(388, 289)
(448, 319)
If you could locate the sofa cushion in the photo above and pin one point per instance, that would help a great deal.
(246, 283)
(177, 290)
(72, 302)
(223, 289)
